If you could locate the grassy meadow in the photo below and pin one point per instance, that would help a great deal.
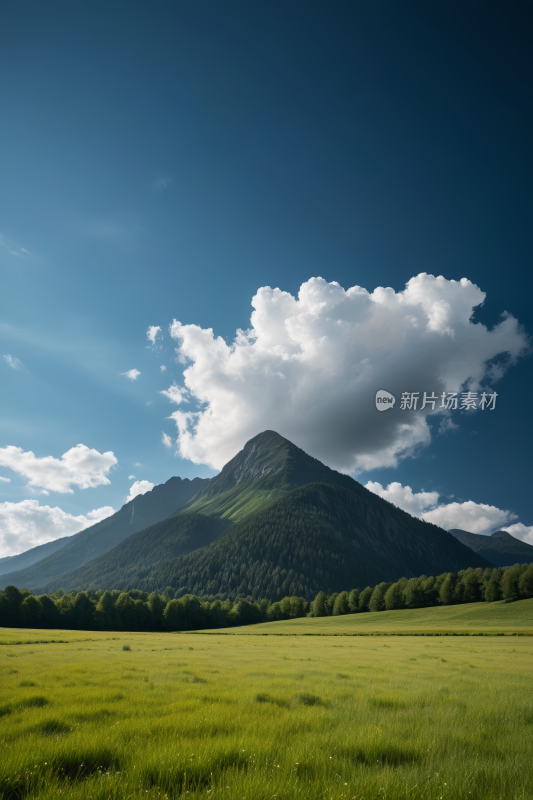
(242, 717)
(470, 618)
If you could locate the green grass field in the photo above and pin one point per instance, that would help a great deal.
(246, 717)
(471, 618)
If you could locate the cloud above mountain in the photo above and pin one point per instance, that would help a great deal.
(309, 368)
(467, 515)
(520, 531)
(139, 487)
(28, 524)
(80, 466)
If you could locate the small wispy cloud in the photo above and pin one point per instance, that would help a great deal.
(162, 183)
(12, 248)
(132, 374)
(167, 441)
(176, 394)
(447, 426)
(163, 368)
(131, 477)
(151, 333)
(5, 480)
(16, 363)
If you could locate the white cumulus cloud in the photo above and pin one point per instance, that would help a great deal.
(27, 524)
(80, 466)
(176, 394)
(139, 487)
(98, 514)
(404, 497)
(152, 332)
(163, 368)
(167, 441)
(132, 374)
(520, 531)
(309, 368)
(5, 480)
(468, 515)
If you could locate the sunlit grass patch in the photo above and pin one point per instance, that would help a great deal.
(393, 727)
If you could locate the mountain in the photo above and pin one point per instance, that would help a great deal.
(295, 527)
(501, 548)
(29, 557)
(130, 561)
(139, 513)
(319, 536)
(266, 468)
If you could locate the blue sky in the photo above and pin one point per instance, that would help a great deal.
(164, 161)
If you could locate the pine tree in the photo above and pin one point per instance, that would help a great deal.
(318, 606)
(525, 583)
(446, 589)
(364, 598)
(353, 601)
(377, 602)
(394, 597)
(341, 604)
(492, 591)
(509, 584)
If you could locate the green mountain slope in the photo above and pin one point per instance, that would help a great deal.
(266, 468)
(131, 560)
(29, 557)
(501, 548)
(319, 536)
(134, 516)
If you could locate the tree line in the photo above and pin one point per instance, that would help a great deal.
(137, 610)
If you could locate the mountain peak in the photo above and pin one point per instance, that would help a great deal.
(276, 462)
(502, 535)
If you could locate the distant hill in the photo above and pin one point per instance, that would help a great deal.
(501, 548)
(139, 513)
(29, 557)
(298, 527)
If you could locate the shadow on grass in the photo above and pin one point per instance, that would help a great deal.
(64, 769)
(391, 754)
(302, 699)
(388, 703)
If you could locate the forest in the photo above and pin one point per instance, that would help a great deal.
(166, 610)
